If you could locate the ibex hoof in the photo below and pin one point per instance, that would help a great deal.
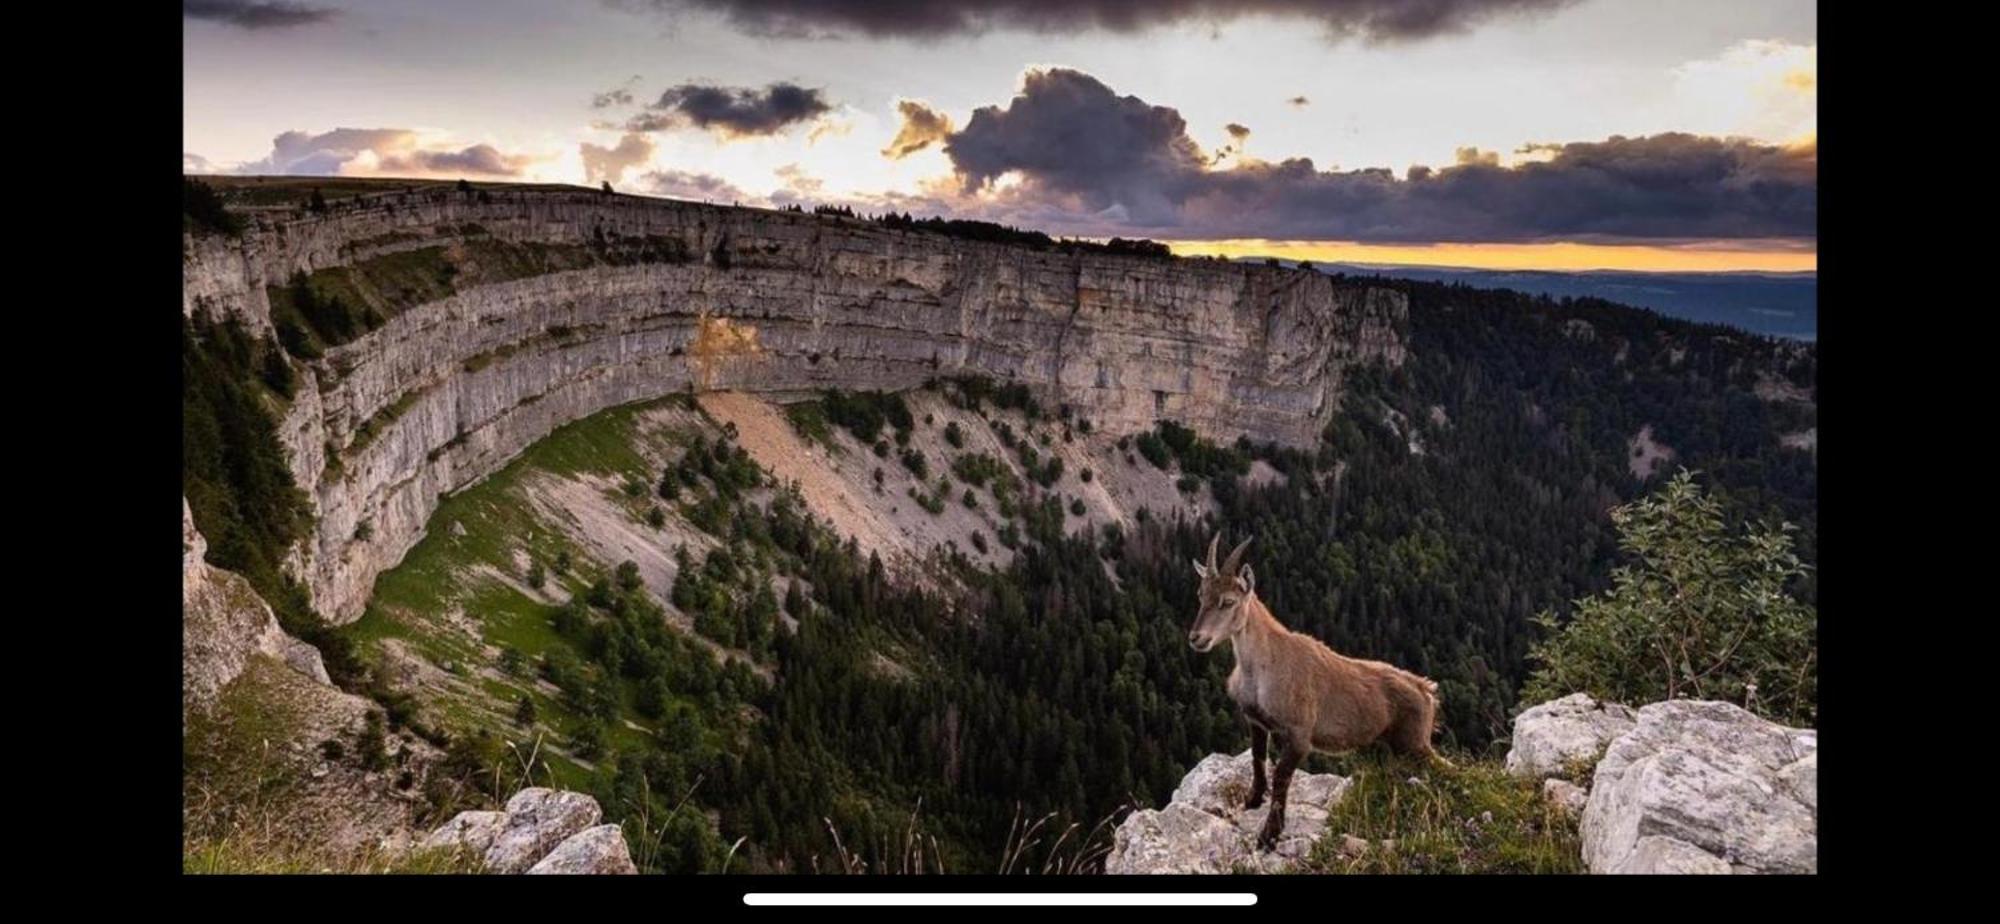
(1268, 837)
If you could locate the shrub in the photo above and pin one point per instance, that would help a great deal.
(1700, 609)
(374, 742)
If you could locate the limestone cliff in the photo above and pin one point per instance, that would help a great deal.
(511, 313)
(224, 623)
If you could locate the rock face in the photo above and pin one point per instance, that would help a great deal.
(1705, 787)
(506, 349)
(1205, 829)
(598, 851)
(224, 623)
(541, 831)
(1551, 736)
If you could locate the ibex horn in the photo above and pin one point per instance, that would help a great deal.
(1235, 558)
(1211, 550)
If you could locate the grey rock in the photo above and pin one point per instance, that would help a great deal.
(225, 623)
(473, 832)
(1205, 829)
(598, 851)
(1549, 737)
(1565, 795)
(1660, 855)
(538, 819)
(1709, 777)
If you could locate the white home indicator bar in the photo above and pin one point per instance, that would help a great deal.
(1000, 898)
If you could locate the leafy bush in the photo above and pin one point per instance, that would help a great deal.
(1700, 610)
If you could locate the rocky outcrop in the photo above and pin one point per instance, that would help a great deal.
(1705, 787)
(1682, 786)
(541, 831)
(598, 851)
(1205, 829)
(542, 319)
(1555, 736)
(224, 623)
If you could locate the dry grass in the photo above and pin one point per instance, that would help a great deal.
(1072, 851)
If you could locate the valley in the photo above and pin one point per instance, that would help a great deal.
(785, 535)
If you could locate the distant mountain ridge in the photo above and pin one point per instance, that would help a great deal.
(1773, 304)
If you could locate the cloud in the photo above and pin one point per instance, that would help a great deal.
(1763, 89)
(380, 151)
(1070, 155)
(682, 184)
(482, 159)
(1299, 101)
(602, 164)
(620, 95)
(1373, 20)
(1472, 155)
(1237, 131)
(922, 127)
(195, 163)
(250, 15)
(733, 112)
(799, 186)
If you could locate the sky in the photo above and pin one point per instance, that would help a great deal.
(1552, 134)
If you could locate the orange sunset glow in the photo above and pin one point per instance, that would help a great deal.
(1562, 255)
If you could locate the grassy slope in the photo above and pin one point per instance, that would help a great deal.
(411, 602)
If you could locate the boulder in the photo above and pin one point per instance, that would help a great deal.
(1695, 777)
(472, 832)
(1551, 736)
(596, 851)
(538, 819)
(541, 831)
(1205, 829)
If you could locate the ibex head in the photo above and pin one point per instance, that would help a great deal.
(1225, 589)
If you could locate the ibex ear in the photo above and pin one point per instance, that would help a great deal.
(1200, 569)
(1246, 579)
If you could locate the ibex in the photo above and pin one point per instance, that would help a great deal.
(1298, 692)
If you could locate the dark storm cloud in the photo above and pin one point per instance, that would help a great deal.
(1237, 131)
(1094, 162)
(922, 127)
(1375, 20)
(733, 111)
(249, 15)
(1070, 136)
